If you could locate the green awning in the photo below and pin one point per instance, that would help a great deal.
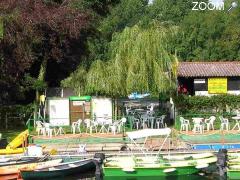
(80, 98)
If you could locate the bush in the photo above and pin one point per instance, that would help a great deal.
(204, 104)
(16, 115)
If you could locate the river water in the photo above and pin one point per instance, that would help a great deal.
(90, 176)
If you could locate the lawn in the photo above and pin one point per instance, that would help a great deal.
(10, 134)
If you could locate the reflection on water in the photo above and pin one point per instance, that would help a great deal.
(90, 176)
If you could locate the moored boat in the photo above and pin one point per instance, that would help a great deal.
(17, 160)
(149, 165)
(61, 170)
(14, 169)
(145, 166)
(233, 172)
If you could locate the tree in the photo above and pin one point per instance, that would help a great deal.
(37, 34)
(209, 36)
(140, 61)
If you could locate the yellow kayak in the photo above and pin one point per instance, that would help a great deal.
(18, 141)
(11, 151)
(13, 146)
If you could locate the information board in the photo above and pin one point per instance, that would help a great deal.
(59, 112)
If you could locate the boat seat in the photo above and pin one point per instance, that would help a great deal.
(72, 165)
(53, 169)
(201, 166)
(128, 169)
(169, 170)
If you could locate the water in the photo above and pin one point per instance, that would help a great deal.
(90, 176)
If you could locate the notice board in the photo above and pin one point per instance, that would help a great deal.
(217, 85)
(59, 112)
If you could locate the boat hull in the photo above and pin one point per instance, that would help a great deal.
(42, 174)
(149, 172)
(14, 169)
(147, 167)
(232, 174)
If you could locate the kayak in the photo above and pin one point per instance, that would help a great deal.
(18, 141)
(11, 151)
(14, 146)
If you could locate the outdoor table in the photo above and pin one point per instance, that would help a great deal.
(237, 120)
(198, 121)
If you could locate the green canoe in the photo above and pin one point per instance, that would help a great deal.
(146, 166)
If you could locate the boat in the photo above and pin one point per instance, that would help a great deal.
(17, 160)
(61, 170)
(14, 169)
(11, 151)
(18, 141)
(233, 165)
(233, 171)
(14, 146)
(152, 165)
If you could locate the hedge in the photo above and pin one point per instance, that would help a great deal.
(204, 104)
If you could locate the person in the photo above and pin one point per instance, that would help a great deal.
(42, 104)
(182, 89)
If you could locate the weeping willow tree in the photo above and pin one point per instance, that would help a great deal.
(140, 61)
(77, 80)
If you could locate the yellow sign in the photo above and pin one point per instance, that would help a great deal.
(217, 85)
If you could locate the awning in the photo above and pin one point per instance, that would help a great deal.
(148, 132)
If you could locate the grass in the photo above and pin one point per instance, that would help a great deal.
(10, 134)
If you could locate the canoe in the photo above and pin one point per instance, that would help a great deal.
(13, 169)
(15, 161)
(18, 141)
(61, 170)
(11, 151)
(233, 172)
(8, 177)
(145, 166)
(187, 156)
(12, 147)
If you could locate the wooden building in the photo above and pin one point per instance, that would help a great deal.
(209, 78)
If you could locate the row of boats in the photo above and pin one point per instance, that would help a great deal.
(134, 165)
(147, 163)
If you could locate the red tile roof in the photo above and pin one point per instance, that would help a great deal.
(208, 69)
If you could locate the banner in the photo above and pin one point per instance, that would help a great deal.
(217, 85)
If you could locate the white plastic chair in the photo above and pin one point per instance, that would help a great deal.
(48, 129)
(121, 124)
(224, 123)
(209, 122)
(184, 124)
(90, 125)
(40, 129)
(198, 126)
(76, 126)
(113, 127)
(136, 123)
(160, 121)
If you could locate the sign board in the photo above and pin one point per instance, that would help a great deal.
(199, 81)
(78, 103)
(102, 109)
(58, 112)
(217, 85)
